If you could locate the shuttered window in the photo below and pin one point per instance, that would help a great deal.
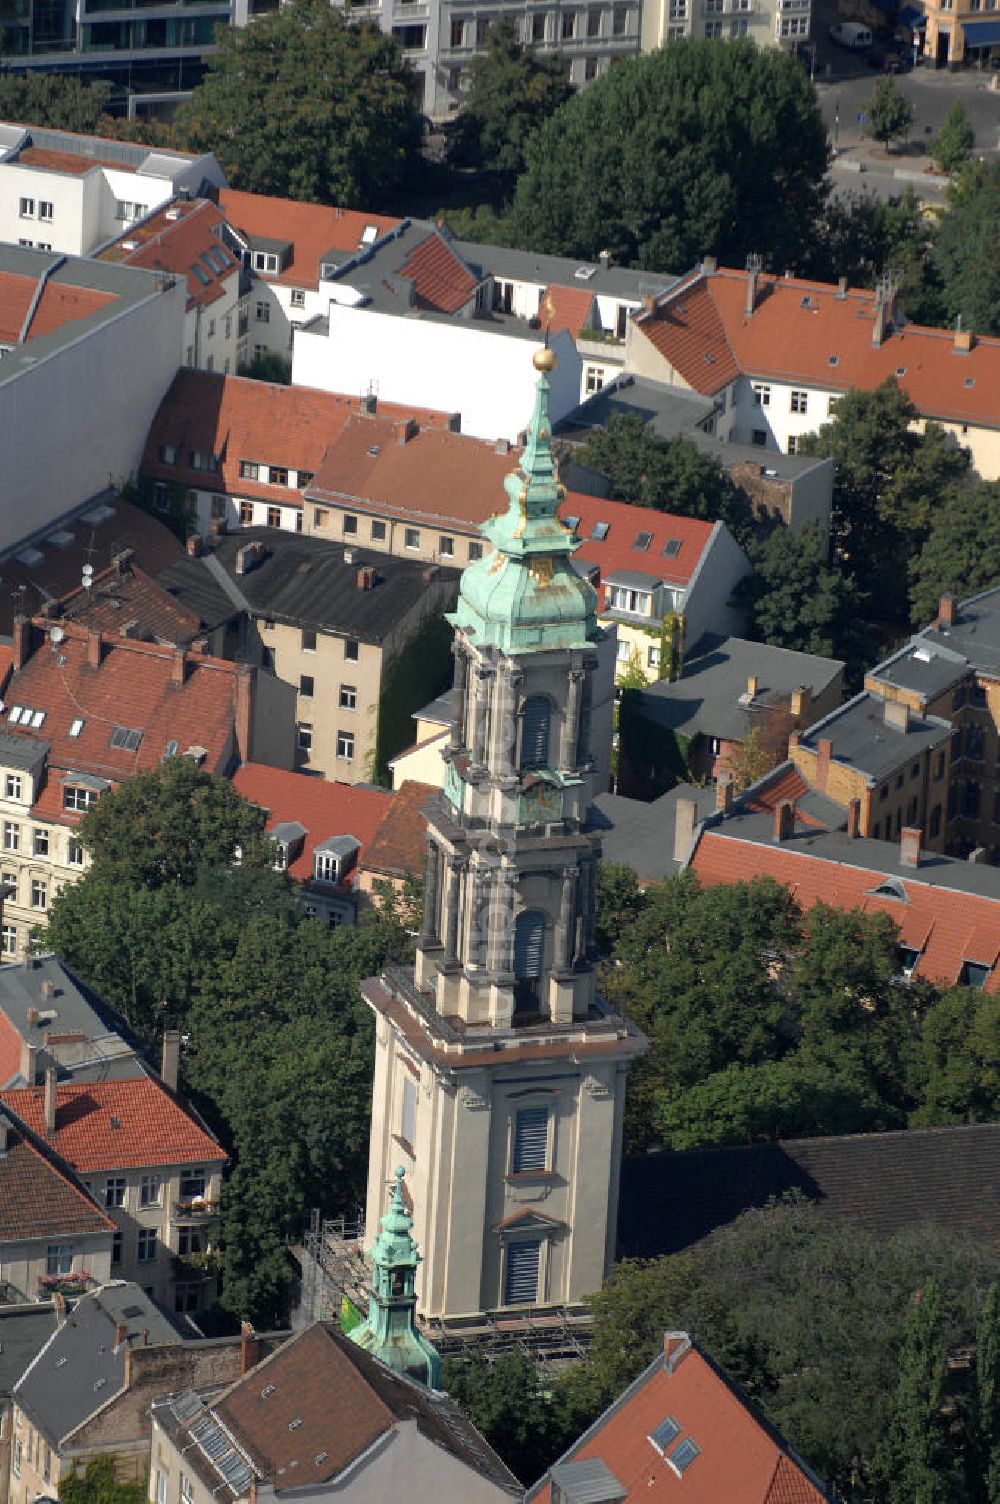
(409, 1123)
(529, 943)
(535, 732)
(521, 1282)
(531, 1139)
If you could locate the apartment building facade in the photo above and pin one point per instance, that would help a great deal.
(769, 23)
(150, 1166)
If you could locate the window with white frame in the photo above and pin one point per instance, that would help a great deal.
(114, 1190)
(150, 1190)
(59, 1258)
(305, 736)
(263, 311)
(74, 854)
(264, 261)
(635, 602)
(192, 1184)
(75, 797)
(11, 836)
(411, 537)
(45, 209)
(345, 744)
(348, 697)
(39, 893)
(761, 395)
(145, 1246)
(793, 444)
(326, 867)
(186, 1490)
(8, 939)
(596, 377)
(799, 402)
(12, 786)
(298, 297)
(26, 208)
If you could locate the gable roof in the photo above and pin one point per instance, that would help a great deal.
(617, 550)
(345, 1401)
(441, 280)
(399, 844)
(323, 809)
(235, 418)
(59, 304)
(117, 1125)
(671, 1200)
(816, 334)
(124, 597)
(133, 686)
(739, 1456)
(82, 1366)
(946, 926)
(314, 230)
(183, 237)
(40, 1197)
(566, 308)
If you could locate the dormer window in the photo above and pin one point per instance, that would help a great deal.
(289, 838)
(264, 261)
(78, 798)
(635, 602)
(326, 867)
(334, 858)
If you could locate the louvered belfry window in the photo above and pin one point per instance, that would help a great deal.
(531, 1139)
(521, 1282)
(535, 732)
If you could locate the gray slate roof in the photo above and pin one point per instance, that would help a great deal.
(885, 1181)
(938, 657)
(641, 836)
(24, 1331)
(706, 698)
(862, 739)
(303, 582)
(107, 1049)
(621, 282)
(59, 1396)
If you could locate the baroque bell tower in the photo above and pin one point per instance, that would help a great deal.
(500, 1071)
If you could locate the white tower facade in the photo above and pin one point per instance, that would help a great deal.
(500, 1072)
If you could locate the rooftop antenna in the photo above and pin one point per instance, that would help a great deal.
(88, 577)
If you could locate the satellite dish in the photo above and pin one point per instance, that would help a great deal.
(88, 570)
(56, 636)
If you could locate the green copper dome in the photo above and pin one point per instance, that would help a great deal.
(389, 1331)
(526, 595)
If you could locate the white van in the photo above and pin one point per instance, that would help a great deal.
(851, 34)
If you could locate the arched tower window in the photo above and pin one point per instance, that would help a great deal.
(535, 732)
(529, 956)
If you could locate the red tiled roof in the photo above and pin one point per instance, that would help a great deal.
(788, 787)
(811, 333)
(441, 280)
(67, 161)
(111, 1125)
(117, 598)
(10, 1049)
(739, 1459)
(175, 240)
(947, 926)
(239, 419)
(324, 809)
(397, 848)
(39, 1197)
(58, 305)
(313, 229)
(566, 308)
(618, 550)
(133, 687)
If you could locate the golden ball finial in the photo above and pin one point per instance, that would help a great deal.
(544, 360)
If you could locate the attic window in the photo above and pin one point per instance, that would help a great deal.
(900, 370)
(833, 360)
(683, 1455)
(267, 1389)
(320, 1458)
(665, 1433)
(37, 717)
(293, 1425)
(172, 750)
(584, 273)
(806, 302)
(76, 727)
(201, 274)
(125, 739)
(969, 381)
(642, 542)
(374, 451)
(600, 531)
(892, 887)
(671, 548)
(115, 1122)
(572, 523)
(368, 236)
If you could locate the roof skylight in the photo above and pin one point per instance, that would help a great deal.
(666, 1432)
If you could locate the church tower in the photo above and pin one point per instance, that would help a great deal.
(390, 1331)
(499, 1071)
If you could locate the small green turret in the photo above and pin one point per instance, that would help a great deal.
(390, 1330)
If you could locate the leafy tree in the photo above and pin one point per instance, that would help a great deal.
(619, 901)
(806, 1312)
(758, 1103)
(512, 91)
(952, 146)
(56, 100)
(751, 759)
(796, 600)
(506, 1399)
(862, 236)
(890, 113)
(668, 475)
(955, 1068)
(271, 366)
(305, 105)
(97, 1484)
(962, 550)
(914, 1462)
(967, 248)
(986, 1408)
(700, 146)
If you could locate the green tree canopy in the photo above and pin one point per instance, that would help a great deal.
(962, 549)
(56, 100)
(508, 1400)
(890, 114)
(698, 147)
(915, 1459)
(305, 105)
(986, 1407)
(97, 1484)
(863, 236)
(967, 248)
(797, 600)
(669, 475)
(512, 91)
(952, 146)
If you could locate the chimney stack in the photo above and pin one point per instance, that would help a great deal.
(963, 339)
(170, 1058)
(801, 701)
(854, 819)
(195, 546)
(366, 577)
(48, 988)
(784, 820)
(753, 684)
(95, 648)
(178, 667)
(21, 641)
(249, 1348)
(724, 792)
(685, 820)
(405, 429)
(897, 715)
(246, 685)
(841, 287)
(946, 610)
(121, 1334)
(824, 754)
(709, 265)
(4, 1127)
(49, 1102)
(977, 855)
(754, 264)
(648, 302)
(369, 404)
(909, 846)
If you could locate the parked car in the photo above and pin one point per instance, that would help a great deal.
(851, 34)
(890, 59)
